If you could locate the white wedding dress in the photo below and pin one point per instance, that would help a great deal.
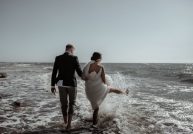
(96, 90)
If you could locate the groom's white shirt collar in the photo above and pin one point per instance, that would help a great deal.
(68, 52)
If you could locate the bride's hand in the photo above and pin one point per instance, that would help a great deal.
(84, 78)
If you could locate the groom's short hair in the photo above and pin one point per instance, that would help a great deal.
(69, 46)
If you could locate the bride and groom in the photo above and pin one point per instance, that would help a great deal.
(96, 85)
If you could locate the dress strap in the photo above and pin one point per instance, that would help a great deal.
(99, 73)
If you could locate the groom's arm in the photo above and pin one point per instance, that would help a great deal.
(78, 68)
(54, 73)
(83, 74)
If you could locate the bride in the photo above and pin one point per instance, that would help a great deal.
(96, 85)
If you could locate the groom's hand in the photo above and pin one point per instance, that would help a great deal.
(84, 78)
(53, 90)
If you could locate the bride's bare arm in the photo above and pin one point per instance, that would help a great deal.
(103, 75)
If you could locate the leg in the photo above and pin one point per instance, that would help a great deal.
(72, 101)
(64, 102)
(115, 90)
(95, 116)
(69, 121)
(118, 91)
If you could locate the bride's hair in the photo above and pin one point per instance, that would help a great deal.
(96, 56)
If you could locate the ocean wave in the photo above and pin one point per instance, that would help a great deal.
(184, 77)
(48, 68)
(22, 65)
(152, 106)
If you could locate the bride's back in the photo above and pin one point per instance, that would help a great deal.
(98, 69)
(94, 68)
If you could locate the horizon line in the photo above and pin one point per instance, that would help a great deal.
(21, 62)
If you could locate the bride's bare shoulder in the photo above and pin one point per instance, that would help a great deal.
(100, 66)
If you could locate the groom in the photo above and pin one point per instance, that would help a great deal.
(63, 75)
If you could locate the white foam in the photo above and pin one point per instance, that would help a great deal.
(128, 114)
(108, 115)
(109, 80)
(22, 65)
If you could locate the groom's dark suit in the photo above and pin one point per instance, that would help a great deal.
(66, 65)
(64, 70)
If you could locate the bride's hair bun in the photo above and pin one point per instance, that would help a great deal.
(96, 56)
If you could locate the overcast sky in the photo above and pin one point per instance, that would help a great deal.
(122, 30)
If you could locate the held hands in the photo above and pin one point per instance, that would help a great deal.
(53, 90)
(84, 78)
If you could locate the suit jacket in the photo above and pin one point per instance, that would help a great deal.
(64, 69)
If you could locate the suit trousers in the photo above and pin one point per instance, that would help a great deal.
(67, 99)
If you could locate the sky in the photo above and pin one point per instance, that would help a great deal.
(128, 31)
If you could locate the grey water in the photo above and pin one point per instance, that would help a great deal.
(160, 99)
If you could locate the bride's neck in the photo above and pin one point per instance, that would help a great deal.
(96, 62)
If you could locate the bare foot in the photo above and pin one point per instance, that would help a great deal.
(64, 125)
(68, 127)
(94, 126)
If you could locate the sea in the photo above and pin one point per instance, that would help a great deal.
(160, 100)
